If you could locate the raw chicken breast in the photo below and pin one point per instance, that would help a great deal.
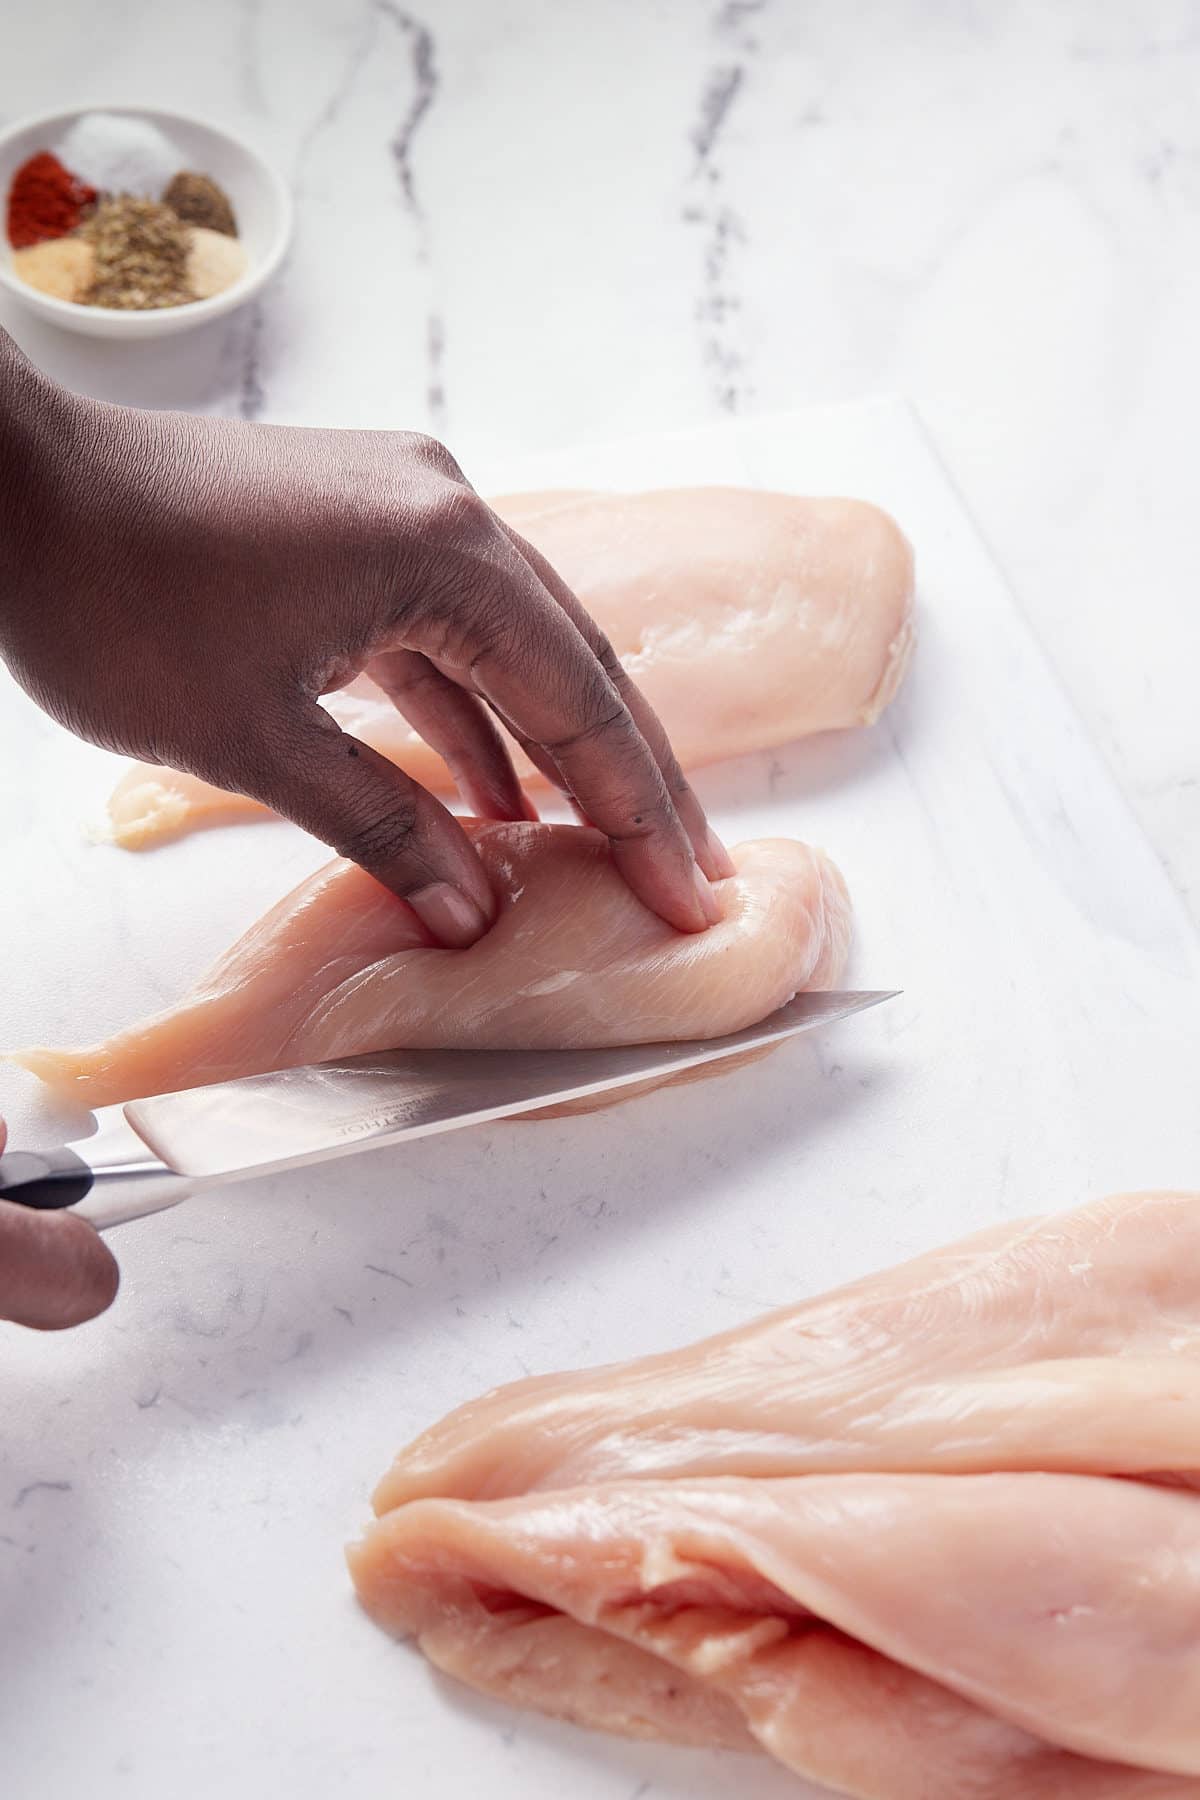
(1071, 1345)
(341, 968)
(663, 1549)
(1065, 1606)
(747, 619)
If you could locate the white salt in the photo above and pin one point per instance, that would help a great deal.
(120, 155)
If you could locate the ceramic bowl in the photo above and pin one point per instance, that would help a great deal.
(261, 202)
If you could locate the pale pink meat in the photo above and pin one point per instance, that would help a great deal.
(747, 619)
(1071, 1344)
(888, 1536)
(341, 968)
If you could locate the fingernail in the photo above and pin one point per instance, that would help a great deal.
(454, 920)
(708, 900)
(721, 864)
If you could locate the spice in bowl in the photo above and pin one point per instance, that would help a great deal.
(214, 261)
(199, 201)
(63, 267)
(141, 250)
(45, 201)
(110, 219)
(118, 155)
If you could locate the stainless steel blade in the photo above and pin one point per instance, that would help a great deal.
(294, 1116)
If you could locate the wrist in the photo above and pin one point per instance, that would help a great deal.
(32, 427)
(46, 434)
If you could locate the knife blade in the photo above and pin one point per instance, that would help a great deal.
(151, 1153)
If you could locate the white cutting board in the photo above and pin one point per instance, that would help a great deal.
(176, 1480)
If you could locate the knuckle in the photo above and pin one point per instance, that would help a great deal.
(467, 636)
(596, 711)
(454, 514)
(430, 453)
(611, 722)
(447, 596)
(380, 838)
(608, 659)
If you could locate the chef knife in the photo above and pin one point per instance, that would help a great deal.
(149, 1154)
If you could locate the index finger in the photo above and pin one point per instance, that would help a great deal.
(537, 669)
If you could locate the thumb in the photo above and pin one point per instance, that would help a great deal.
(54, 1269)
(367, 809)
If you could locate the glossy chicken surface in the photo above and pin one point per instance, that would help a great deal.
(341, 968)
(934, 1535)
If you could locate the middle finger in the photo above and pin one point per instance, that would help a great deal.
(455, 723)
(711, 853)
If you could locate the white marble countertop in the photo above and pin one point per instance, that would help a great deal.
(535, 223)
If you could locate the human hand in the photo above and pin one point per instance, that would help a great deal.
(183, 589)
(54, 1269)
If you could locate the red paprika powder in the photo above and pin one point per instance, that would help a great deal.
(45, 201)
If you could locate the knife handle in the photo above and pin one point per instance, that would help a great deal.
(107, 1179)
(45, 1179)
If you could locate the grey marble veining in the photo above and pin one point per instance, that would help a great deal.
(721, 226)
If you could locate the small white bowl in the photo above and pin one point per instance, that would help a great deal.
(261, 203)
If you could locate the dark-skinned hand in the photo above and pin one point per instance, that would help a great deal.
(184, 589)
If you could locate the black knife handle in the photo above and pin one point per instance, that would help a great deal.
(44, 1179)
